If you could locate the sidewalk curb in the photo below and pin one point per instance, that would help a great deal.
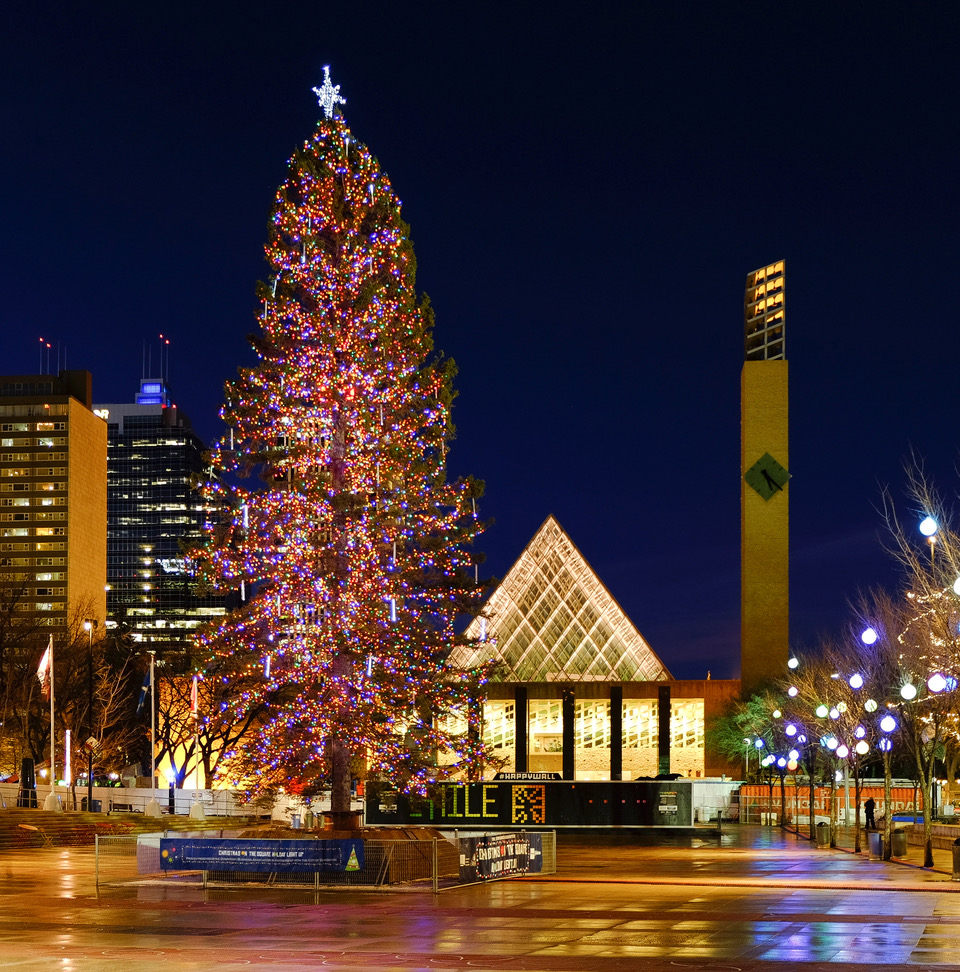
(892, 860)
(934, 887)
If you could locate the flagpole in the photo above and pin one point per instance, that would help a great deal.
(195, 715)
(153, 730)
(52, 803)
(196, 808)
(153, 807)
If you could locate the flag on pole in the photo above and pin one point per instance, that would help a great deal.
(144, 691)
(193, 699)
(43, 672)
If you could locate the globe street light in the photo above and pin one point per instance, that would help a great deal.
(936, 682)
(929, 527)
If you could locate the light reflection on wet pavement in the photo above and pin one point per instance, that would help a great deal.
(753, 899)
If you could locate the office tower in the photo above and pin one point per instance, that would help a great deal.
(53, 501)
(153, 513)
(764, 492)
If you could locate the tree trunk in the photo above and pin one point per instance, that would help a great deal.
(340, 771)
(927, 822)
(338, 748)
(925, 767)
(857, 785)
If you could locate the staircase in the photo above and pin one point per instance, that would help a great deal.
(23, 828)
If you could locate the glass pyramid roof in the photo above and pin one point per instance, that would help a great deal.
(552, 620)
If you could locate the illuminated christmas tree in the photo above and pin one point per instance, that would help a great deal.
(353, 555)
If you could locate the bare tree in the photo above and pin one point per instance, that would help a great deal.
(922, 637)
(200, 737)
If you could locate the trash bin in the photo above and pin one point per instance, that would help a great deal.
(95, 805)
(309, 820)
(295, 821)
(875, 845)
(898, 843)
(823, 835)
(956, 860)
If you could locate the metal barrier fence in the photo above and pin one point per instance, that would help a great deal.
(422, 865)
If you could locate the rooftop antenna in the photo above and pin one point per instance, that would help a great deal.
(164, 372)
(41, 356)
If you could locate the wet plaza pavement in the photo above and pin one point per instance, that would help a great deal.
(750, 899)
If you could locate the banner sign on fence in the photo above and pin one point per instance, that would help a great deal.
(499, 855)
(288, 856)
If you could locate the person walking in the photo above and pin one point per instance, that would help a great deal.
(869, 807)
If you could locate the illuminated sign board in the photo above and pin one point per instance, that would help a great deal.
(551, 803)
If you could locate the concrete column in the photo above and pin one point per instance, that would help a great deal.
(616, 732)
(663, 725)
(521, 728)
(569, 755)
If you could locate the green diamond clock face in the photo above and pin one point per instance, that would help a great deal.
(767, 476)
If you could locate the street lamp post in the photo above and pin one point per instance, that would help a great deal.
(89, 626)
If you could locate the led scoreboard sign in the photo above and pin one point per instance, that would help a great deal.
(519, 801)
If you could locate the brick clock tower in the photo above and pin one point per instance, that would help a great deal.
(764, 483)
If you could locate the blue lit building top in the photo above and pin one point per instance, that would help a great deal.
(152, 392)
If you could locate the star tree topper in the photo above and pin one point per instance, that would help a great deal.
(329, 94)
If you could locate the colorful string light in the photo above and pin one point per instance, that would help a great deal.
(355, 550)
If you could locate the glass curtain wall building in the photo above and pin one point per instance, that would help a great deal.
(154, 513)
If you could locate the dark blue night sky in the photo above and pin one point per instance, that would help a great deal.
(588, 186)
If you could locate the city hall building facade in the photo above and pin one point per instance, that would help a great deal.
(578, 691)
